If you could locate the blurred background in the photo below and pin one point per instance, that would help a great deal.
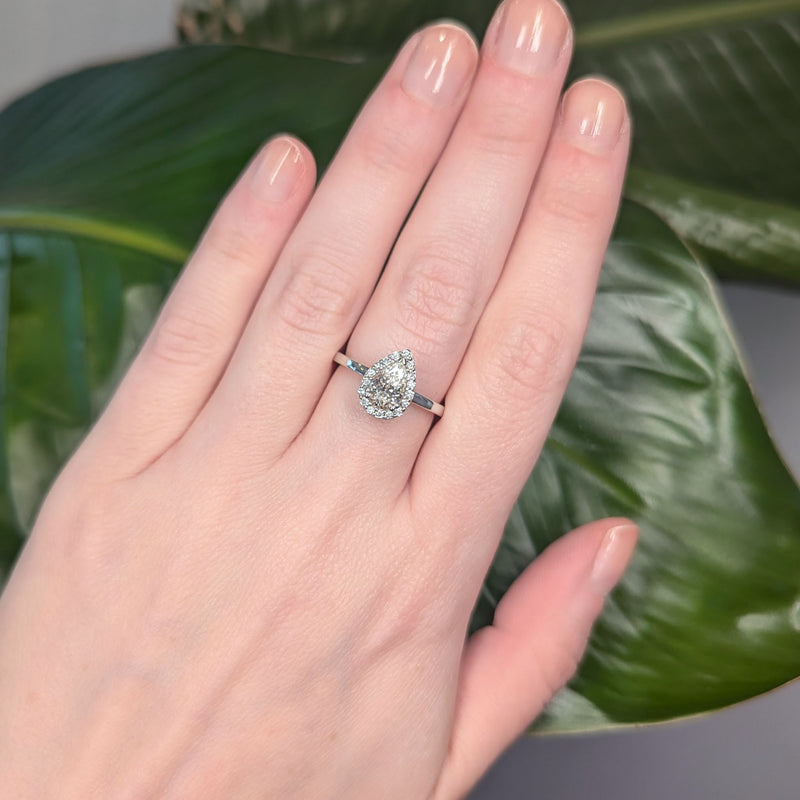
(750, 751)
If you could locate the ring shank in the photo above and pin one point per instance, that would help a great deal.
(361, 369)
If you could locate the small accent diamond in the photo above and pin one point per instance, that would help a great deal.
(388, 386)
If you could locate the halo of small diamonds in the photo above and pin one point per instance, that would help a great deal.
(388, 386)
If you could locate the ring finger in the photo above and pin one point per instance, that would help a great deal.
(453, 248)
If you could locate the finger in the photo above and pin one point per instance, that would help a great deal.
(513, 667)
(331, 262)
(513, 376)
(450, 253)
(193, 338)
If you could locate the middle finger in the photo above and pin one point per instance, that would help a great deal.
(453, 248)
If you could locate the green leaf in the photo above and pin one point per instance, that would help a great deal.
(738, 236)
(137, 153)
(106, 180)
(75, 309)
(712, 88)
(716, 113)
(659, 424)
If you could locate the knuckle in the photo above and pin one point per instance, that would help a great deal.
(318, 295)
(438, 293)
(505, 127)
(569, 207)
(404, 608)
(238, 242)
(392, 140)
(183, 339)
(86, 540)
(560, 664)
(532, 354)
(573, 198)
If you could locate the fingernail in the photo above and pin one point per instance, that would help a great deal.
(531, 35)
(612, 557)
(279, 170)
(442, 61)
(593, 116)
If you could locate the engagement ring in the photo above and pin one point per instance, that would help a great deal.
(388, 387)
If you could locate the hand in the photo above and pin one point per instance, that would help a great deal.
(242, 585)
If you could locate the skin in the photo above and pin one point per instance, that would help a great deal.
(243, 586)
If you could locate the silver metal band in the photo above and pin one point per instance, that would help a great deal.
(363, 369)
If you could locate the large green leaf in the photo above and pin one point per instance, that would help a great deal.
(712, 85)
(659, 424)
(716, 113)
(106, 179)
(75, 309)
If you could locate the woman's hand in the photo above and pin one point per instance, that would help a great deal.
(244, 586)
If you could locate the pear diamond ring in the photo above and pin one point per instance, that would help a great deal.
(388, 387)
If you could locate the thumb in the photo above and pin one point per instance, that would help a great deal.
(513, 667)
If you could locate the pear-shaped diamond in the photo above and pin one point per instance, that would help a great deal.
(388, 386)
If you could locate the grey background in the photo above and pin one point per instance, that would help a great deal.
(750, 751)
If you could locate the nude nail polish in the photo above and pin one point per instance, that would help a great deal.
(442, 61)
(278, 171)
(531, 35)
(593, 116)
(612, 557)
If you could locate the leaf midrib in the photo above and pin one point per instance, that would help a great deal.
(115, 233)
(673, 20)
